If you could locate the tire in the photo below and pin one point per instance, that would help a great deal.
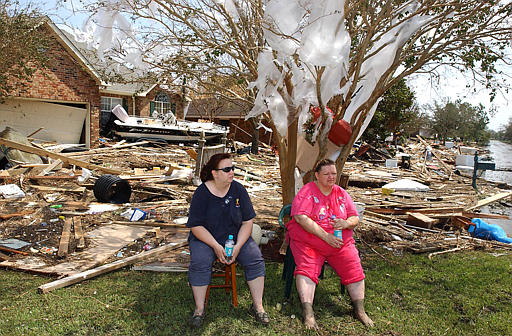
(112, 189)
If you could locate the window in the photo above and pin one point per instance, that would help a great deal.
(107, 104)
(161, 105)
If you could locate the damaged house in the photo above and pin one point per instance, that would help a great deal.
(69, 101)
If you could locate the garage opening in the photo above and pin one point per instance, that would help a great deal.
(62, 122)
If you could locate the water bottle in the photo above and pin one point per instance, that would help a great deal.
(228, 247)
(337, 232)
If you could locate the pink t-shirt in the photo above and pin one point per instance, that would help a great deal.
(321, 208)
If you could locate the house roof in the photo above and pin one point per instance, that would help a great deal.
(74, 51)
(91, 62)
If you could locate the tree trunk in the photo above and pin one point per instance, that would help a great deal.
(287, 158)
(255, 136)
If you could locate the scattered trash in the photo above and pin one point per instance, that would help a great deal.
(134, 215)
(11, 191)
(406, 185)
(13, 243)
(112, 189)
(487, 231)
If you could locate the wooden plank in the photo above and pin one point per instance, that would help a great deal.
(442, 210)
(52, 177)
(149, 223)
(50, 167)
(55, 189)
(64, 238)
(106, 149)
(483, 215)
(6, 249)
(490, 200)
(79, 233)
(53, 155)
(17, 214)
(79, 277)
(4, 256)
(420, 220)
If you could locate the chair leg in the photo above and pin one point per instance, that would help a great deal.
(233, 285)
(288, 270)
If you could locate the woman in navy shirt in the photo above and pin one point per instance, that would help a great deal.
(221, 207)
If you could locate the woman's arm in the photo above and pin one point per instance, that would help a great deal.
(243, 234)
(206, 237)
(312, 227)
(350, 223)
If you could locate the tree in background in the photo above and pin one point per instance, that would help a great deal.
(445, 120)
(344, 54)
(394, 112)
(22, 46)
(461, 120)
(506, 133)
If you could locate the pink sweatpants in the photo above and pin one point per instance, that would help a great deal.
(310, 256)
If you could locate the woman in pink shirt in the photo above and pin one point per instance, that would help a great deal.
(318, 209)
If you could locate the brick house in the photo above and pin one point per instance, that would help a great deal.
(69, 99)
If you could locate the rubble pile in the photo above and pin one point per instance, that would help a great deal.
(52, 220)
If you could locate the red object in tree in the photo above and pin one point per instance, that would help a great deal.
(340, 132)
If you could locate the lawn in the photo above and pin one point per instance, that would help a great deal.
(468, 293)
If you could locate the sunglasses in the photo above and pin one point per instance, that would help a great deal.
(226, 169)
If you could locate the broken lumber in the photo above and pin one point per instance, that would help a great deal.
(55, 189)
(64, 238)
(6, 249)
(419, 219)
(17, 214)
(79, 277)
(53, 155)
(441, 162)
(79, 233)
(490, 200)
(149, 223)
(4, 256)
(50, 167)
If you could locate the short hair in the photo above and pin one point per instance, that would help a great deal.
(323, 163)
(212, 164)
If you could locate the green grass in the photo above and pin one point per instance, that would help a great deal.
(467, 293)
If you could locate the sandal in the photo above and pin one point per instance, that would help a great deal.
(261, 317)
(196, 321)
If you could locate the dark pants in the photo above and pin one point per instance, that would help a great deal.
(202, 257)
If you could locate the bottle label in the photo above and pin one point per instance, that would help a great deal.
(229, 251)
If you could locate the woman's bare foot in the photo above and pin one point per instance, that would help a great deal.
(361, 314)
(309, 316)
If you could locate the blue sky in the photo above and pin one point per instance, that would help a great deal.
(452, 87)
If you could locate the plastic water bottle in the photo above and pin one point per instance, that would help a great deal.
(228, 247)
(337, 232)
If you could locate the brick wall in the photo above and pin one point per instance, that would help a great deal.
(143, 103)
(65, 80)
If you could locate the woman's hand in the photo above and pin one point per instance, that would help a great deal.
(333, 241)
(220, 253)
(236, 251)
(339, 224)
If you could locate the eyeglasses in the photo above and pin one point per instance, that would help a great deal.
(226, 169)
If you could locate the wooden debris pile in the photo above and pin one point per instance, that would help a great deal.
(68, 231)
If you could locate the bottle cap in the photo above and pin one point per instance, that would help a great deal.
(230, 237)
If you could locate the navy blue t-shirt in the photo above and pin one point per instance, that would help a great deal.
(221, 216)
